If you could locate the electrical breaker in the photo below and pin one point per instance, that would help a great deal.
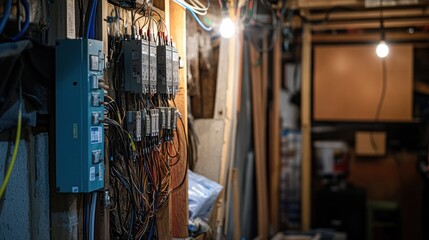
(79, 116)
(147, 124)
(165, 69)
(134, 125)
(154, 120)
(152, 68)
(175, 69)
(163, 117)
(173, 118)
(136, 66)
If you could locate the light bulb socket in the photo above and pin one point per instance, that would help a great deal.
(382, 49)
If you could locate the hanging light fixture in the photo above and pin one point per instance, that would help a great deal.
(227, 27)
(382, 49)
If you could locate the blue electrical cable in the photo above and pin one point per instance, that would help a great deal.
(196, 18)
(27, 21)
(91, 19)
(151, 229)
(88, 27)
(92, 33)
(6, 15)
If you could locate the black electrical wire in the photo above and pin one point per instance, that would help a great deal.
(140, 170)
(82, 17)
(381, 101)
(186, 163)
(192, 151)
(383, 89)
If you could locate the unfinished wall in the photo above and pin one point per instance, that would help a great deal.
(24, 210)
(394, 177)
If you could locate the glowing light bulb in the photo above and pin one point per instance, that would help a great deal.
(227, 28)
(382, 49)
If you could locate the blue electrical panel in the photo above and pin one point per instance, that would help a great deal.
(79, 116)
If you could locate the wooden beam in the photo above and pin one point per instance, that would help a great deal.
(228, 154)
(372, 24)
(102, 212)
(274, 135)
(162, 5)
(164, 215)
(265, 74)
(375, 13)
(219, 112)
(236, 191)
(65, 208)
(260, 158)
(368, 37)
(179, 199)
(324, 4)
(63, 21)
(64, 216)
(306, 128)
(102, 215)
(303, 4)
(421, 87)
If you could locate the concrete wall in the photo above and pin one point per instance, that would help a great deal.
(24, 210)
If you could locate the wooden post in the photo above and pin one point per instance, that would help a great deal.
(265, 69)
(65, 208)
(219, 113)
(306, 128)
(274, 136)
(102, 217)
(236, 191)
(179, 199)
(63, 21)
(234, 72)
(260, 159)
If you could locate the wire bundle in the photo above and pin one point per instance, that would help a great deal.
(140, 177)
(6, 16)
(195, 7)
(90, 30)
(140, 169)
(280, 15)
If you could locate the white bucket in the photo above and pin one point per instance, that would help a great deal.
(332, 158)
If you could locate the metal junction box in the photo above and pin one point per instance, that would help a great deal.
(79, 116)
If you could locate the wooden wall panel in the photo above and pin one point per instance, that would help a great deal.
(179, 199)
(394, 177)
(348, 83)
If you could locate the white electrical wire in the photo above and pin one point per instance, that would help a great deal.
(198, 10)
(197, 3)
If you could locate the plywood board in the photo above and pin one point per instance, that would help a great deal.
(348, 83)
(210, 134)
(370, 143)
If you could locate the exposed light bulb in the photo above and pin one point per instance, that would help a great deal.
(382, 49)
(227, 28)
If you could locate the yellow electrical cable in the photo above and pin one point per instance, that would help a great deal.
(15, 153)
